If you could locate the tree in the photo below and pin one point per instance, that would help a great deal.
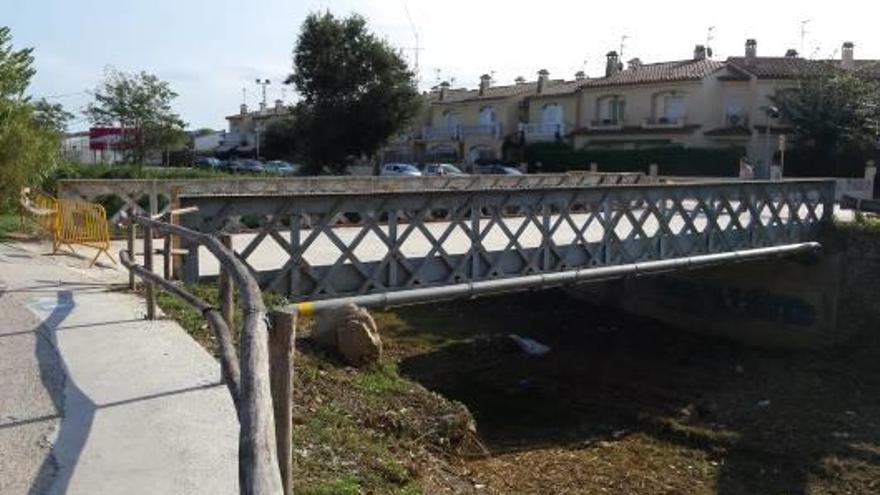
(833, 112)
(356, 91)
(140, 104)
(277, 142)
(28, 148)
(52, 115)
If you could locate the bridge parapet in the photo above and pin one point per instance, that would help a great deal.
(131, 193)
(331, 246)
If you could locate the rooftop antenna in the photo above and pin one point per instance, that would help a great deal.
(710, 36)
(437, 74)
(263, 83)
(623, 44)
(244, 96)
(804, 32)
(417, 48)
(492, 76)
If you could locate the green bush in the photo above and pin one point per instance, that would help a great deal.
(671, 160)
(73, 170)
(808, 163)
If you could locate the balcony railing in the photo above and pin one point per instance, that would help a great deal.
(664, 123)
(736, 120)
(606, 124)
(441, 133)
(481, 130)
(542, 131)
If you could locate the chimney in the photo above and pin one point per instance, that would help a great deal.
(279, 106)
(520, 80)
(751, 50)
(485, 82)
(243, 109)
(635, 63)
(444, 89)
(699, 52)
(791, 53)
(612, 66)
(543, 77)
(580, 75)
(847, 60)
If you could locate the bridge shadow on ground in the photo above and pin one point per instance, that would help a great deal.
(680, 412)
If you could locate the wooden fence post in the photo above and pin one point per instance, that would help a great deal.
(282, 336)
(148, 265)
(132, 233)
(226, 288)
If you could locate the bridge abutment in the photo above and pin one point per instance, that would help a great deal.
(789, 302)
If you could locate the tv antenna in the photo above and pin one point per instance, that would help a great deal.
(263, 83)
(418, 47)
(244, 96)
(710, 37)
(804, 32)
(623, 44)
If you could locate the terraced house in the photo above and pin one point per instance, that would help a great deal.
(696, 102)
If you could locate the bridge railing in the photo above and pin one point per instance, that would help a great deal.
(262, 404)
(330, 246)
(158, 196)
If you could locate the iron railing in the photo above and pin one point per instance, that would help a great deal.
(331, 246)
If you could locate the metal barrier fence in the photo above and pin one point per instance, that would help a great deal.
(70, 222)
(331, 246)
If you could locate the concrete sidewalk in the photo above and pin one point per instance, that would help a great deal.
(94, 399)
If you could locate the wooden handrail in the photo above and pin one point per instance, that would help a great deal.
(247, 378)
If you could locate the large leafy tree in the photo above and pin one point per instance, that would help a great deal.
(140, 104)
(833, 112)
(28, 146)
(278, 141)
(356, 91)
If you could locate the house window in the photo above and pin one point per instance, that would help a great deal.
(734, 110)
(450, 120)
(674, 107)
(611, 109)
(552, 114)
(487, 116)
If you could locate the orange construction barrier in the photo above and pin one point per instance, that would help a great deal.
(70, 222)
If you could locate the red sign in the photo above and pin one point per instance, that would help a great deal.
(106, 138)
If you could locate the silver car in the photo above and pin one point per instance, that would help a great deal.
(442, 169)
(399, 170)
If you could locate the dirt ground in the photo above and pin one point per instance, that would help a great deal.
(626, 405)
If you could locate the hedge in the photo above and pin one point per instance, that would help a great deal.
(671, 160)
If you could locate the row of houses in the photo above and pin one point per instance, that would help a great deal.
(697, 102)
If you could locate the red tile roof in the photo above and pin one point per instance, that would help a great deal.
(682, 70)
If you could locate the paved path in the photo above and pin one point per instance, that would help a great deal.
(96, 400)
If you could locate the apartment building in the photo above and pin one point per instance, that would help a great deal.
(694, 102)
(246, 128)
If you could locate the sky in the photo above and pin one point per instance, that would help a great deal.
(209, 51)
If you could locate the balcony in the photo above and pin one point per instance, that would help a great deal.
(542, 132)
(606, 125)
(492, 131)
(441, 133)
(736, 120)
(664, 123)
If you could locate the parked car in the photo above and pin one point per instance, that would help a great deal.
(399, 170)
(246, 165)
(499, 170)
(281, 167)
(442, 169)
(207, 162)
